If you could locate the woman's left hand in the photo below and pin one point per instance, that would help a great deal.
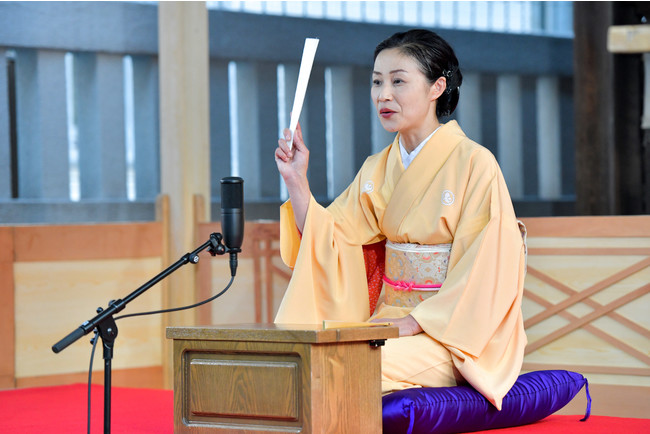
(408, 326)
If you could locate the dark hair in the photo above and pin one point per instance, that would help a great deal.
(436, 59)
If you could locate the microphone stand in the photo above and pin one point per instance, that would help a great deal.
(105, 323)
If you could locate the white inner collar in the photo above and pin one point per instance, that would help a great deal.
(407, 158)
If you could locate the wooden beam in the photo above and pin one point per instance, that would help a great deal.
(101, 241)
(629, 39)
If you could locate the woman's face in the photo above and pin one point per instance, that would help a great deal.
(403, 97)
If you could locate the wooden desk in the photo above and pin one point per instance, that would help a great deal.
(257, 378)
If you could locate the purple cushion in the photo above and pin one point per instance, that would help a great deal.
(534, 396)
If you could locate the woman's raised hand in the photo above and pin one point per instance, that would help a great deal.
(292, 163)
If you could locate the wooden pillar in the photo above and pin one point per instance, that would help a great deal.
(630, 44)
(593, 109)
(184, 144)
(611, 160)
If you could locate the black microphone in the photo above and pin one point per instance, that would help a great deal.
(232, 217)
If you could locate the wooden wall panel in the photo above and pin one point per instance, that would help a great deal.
(611, 400)
(585, 307)
(54, 298)
(57, 276)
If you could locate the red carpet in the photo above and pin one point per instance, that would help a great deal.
(571, 425)
(62, 409)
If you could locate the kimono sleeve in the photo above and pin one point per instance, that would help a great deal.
(329, 279)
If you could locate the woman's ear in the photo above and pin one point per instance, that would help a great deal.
(438, 88)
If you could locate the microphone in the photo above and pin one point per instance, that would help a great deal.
(232, 217)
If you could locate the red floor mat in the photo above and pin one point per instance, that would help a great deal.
(62, 409)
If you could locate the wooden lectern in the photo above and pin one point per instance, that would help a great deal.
(258, 378)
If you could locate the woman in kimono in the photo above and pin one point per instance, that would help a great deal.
(454, 262)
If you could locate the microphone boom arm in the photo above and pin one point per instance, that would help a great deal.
(214, 246)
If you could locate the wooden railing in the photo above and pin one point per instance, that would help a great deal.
(79, 108)
(586, 306)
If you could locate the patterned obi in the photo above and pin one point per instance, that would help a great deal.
(414, 272)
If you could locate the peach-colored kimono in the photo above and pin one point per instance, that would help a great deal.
(453, 192)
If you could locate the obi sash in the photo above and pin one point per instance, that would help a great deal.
(414, 272)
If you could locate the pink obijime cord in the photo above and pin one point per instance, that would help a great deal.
(401, 285)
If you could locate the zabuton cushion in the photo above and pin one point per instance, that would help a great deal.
(534, 396)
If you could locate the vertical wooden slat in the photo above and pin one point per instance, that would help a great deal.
(339, 129)
(567, 134)
(315, 104)
(548, 138)
(288, 81)
(489, 112)
(529, 113)
(257, 279)
(248, 132)
(99, 115)
(509, 129)
(469, 106)
(146, 127)
(267, 113)
(219, 125)
(53, 124)
(268, 278)
(5, 143)
(362, 113)
(42, 125)
(87, 124)
(110, 108)
(7, 310)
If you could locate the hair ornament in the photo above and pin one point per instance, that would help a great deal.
(448, 74)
